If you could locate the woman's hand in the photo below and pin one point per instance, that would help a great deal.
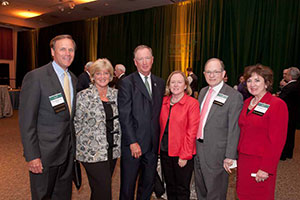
(261, 176)
(181, 162)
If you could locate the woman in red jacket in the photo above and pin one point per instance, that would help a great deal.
(179, 122)
(263, 123)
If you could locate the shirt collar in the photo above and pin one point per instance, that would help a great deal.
(218, 87)
(143, 76)
(58, 69)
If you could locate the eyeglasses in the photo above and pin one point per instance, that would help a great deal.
(213, 72)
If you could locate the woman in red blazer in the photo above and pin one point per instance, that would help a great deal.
(179, 122)
(263, 123)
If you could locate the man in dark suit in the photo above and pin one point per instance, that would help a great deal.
(84, 78)
(120, 74)
(290, 94)
(47, 105)
(218, 133)
(193, 81)
(139, 101)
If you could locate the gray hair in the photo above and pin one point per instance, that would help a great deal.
(294, 73)
(88, 64)
(120, 67)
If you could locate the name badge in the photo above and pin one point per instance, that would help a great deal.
(57, 102)
(261, 109)
(220, 99)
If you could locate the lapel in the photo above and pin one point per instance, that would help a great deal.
(202, 95)
(139, 83)
(56, 84)
(214, 107)
(74, 83)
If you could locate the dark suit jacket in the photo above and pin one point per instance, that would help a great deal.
(118, 80)
(83, 81)
(45, 134)
(221, 130)
(291, 95)
(139, 113)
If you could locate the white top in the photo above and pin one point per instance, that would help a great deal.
(215, 92)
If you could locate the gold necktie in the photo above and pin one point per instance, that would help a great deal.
(67, 90)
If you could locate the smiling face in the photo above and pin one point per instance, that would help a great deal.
(177, 84)
(214, 73)
(143, 61)
(256, 85)
(101, 78)
(63, 52)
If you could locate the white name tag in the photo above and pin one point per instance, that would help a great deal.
(56, 99)
(220, 99)
(261, 108)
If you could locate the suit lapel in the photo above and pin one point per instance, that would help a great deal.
(202, 95)
(214, 107)
(56, 83)
(141, 86)
(74, 92)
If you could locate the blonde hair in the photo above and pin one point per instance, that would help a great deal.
(187, 90)
(102, 64)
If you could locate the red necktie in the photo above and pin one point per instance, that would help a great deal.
(203, 113)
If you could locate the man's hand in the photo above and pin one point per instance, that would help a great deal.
(35, 166)
(261, 176)
(136, 151)
(227, 163)
(181, 162)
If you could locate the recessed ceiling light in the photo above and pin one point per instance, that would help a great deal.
(27, 14)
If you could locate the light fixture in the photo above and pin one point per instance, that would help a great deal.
(4, 3)
(65, 5)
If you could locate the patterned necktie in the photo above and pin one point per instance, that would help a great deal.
(203, 113)
(67, 90)
(147, 85)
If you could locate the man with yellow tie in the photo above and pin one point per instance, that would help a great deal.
(47, 103)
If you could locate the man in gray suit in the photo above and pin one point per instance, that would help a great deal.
(218, 133)
(47, 103)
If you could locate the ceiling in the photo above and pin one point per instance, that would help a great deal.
(58, 11)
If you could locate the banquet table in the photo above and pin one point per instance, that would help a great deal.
(14, 98)
(5, 103)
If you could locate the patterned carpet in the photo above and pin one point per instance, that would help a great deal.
(14, 181)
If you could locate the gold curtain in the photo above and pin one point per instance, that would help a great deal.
(183, 31)
(92, 38)
(34, 40)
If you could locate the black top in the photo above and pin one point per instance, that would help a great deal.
(164, 141)
(109, 126)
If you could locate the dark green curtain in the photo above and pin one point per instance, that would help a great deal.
(77, 31)
(26, 59)
(241, 33)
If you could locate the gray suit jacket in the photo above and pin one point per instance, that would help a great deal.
(45, 134)
(221, 130)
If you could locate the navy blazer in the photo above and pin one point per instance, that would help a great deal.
(139, 113)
